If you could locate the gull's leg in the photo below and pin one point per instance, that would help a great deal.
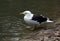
(30, 27)
(34, 27)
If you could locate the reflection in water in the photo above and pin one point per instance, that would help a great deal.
(12, 28)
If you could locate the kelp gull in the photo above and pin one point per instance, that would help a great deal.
(34, 19)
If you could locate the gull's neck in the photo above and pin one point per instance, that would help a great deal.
(29, 16)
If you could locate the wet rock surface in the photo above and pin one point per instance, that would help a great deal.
(14, 29)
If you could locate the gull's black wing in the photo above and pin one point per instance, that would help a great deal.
(39, 18)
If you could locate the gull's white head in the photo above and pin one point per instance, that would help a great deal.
(26, 12)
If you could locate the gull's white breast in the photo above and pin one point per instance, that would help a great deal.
(28, 19)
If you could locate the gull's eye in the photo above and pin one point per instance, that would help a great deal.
(25, 13)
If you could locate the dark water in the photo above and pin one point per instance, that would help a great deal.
(12, 27)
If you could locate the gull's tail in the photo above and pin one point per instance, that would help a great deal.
(49, 20)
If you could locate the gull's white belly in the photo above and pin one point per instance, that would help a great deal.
(31, 22)
(27, 19)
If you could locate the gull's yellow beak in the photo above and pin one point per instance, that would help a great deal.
(21, 13)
